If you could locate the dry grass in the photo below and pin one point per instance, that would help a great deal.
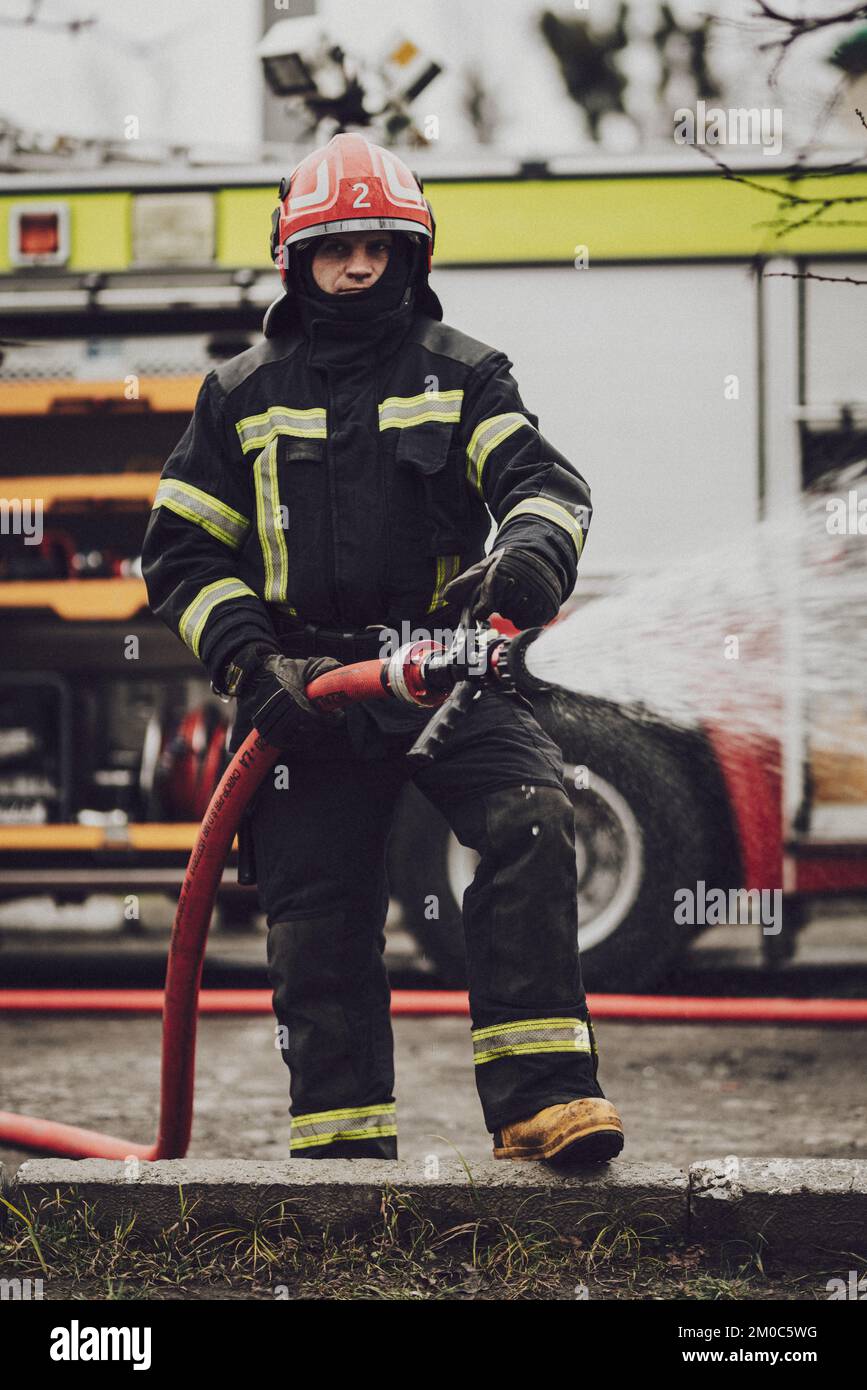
(401, 1256)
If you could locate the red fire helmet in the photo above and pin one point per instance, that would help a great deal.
(349, 186)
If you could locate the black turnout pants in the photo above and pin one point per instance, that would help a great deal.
(319, 829)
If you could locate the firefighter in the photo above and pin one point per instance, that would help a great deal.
(337, 482)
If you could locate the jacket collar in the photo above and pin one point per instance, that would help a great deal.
(282, 315)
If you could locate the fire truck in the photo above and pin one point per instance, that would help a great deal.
(626, 296)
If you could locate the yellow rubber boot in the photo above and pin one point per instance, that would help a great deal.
(580, 1131)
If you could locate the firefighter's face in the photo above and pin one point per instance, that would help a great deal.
(350, 261)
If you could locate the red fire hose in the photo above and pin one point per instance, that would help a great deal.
(183, 974)
(245, 772)
(181, 1002)
(453, 1003)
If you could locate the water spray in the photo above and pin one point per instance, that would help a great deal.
(762, 634)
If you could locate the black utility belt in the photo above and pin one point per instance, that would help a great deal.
(315, 639)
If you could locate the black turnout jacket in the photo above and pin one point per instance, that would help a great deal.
(348, 491)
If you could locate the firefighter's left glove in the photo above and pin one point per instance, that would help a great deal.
(516, 583)
(274, 699)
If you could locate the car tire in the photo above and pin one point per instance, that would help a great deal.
(651, 818)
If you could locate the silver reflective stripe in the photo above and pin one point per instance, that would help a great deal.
(485, 439)
(257, 431)
(220, 521)
(194, 617)
(550, 510)
(530, 1035)
(269, 522)
(329, 1126)
(401, 412)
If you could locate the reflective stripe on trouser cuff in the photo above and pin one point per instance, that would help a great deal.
(447, 568)
(399, 412)
(220, 521)
(530, 1035)
(486, 437)
(194, 617)
(269, 519)
(330, 1126)
(550, 510)
(257, 431)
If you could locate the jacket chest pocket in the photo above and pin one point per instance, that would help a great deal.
(289, 485)
(431, 457)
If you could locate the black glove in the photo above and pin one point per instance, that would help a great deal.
(515, 583)
(272, 691)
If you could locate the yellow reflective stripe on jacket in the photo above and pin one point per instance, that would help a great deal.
(220, 521)
(549, 510)
(447, 568)
(529, 1035)
(399, 412)
(196, 614)
(486, 437)
(269, 522)
(257, 431)
(353, 1122)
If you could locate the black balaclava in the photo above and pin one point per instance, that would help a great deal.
(337, 324)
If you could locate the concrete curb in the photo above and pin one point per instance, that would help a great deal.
(805, 1207)
(808, 1209)
(348, 1193)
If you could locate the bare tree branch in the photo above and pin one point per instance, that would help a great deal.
(816, 203)
(799, 25)
(797, 210)
(811, 275)
(813, 210)
(795, 27)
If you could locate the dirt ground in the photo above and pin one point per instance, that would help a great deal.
(685, 1091)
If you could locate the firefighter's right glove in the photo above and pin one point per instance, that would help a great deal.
(275, 702)
(516, 583)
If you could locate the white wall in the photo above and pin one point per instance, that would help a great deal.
(837, 318)
(187, 70)
(626, 369)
